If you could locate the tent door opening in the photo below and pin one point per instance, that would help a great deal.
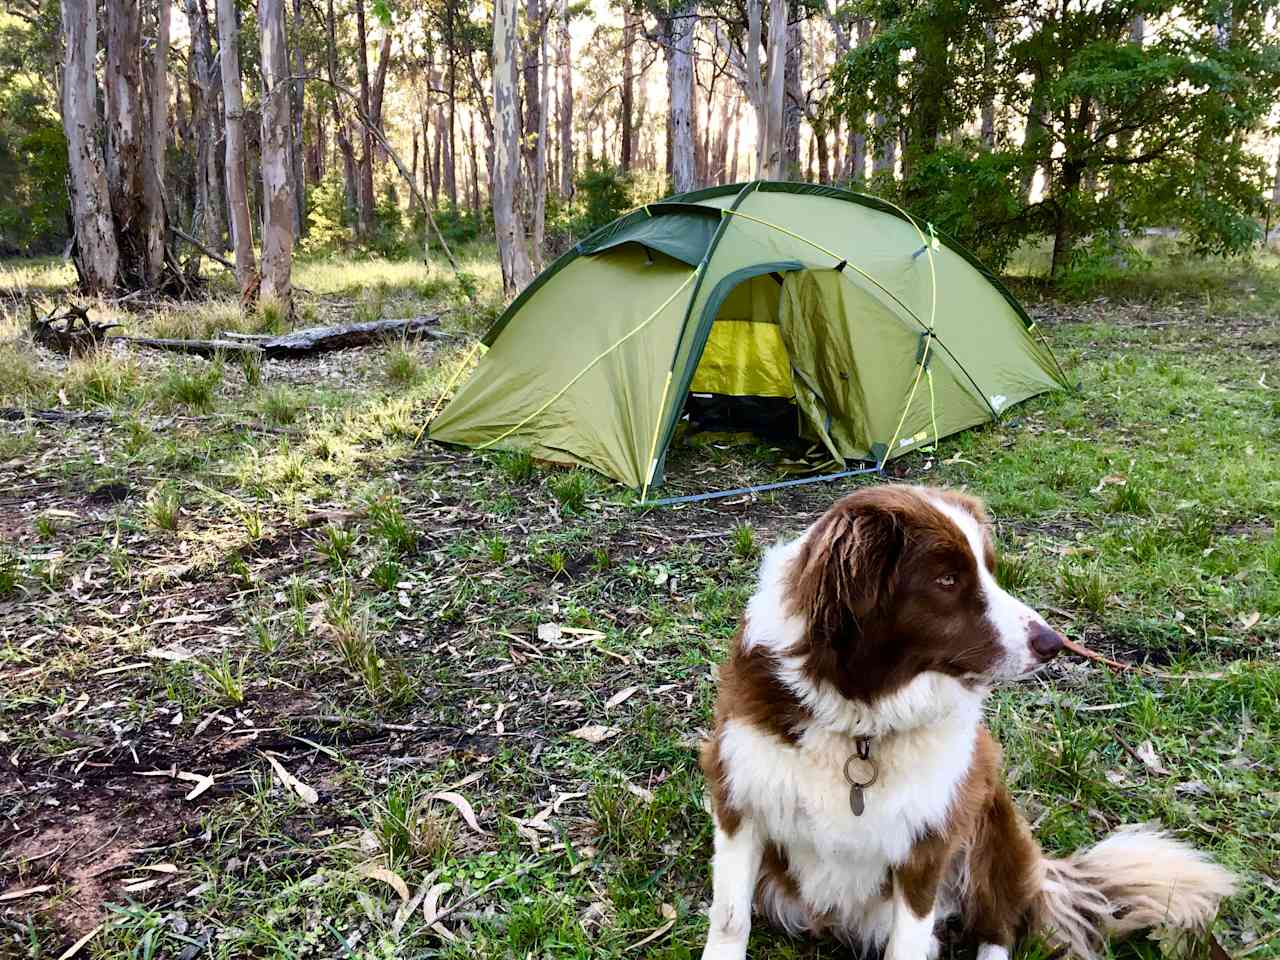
(744, 379)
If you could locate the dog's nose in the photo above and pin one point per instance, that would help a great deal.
(1045, 641)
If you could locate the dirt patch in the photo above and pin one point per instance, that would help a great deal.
(85, 840)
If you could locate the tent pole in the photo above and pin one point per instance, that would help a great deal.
(761, 488)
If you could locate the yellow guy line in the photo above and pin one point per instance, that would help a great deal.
(583, 372)
(466, 362)
(653, 445)
(911, 396)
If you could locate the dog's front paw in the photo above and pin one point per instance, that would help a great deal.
(898, 948)
(723, 949)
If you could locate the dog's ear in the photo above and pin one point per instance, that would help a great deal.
(845, 570)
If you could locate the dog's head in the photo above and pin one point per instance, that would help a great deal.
(896, 581)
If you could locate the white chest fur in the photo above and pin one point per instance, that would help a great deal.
(798, 798)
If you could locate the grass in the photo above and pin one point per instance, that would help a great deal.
(402, 364)
(193, 387)
(395, 621)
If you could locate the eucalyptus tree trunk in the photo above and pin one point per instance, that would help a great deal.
(516, 270)
(233, 104)
(96, 254)
(792, 107)
(680, 66)
(628, 87)
(774, 163)
(451, 118)
(535, 155)
(127, 146)
(364, 222)
(157, 140)
(540, 153)
(207, 219)
(856, 152)
(341, 131)
(277, 166)
(755, 85)
(297, 111)
(565, 69)
(475, 165)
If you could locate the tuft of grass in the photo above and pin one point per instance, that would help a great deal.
(99, 379)
(227, 678)
(409, 830)
(402, 365)
(270, 317)
(496, 548)
(572, 489)
(191, 386)
(164, 507)
(1086, 586)
(390, 524)
(250, 364)
(556, 562)
(387, 572)
(515, 465)
(8, 572)
(338, 546)
(281, 406)
(370, 308)
(1128, 498)
(745, 546)
(385, 679)
(46, 527)
(600, 561)
(22, 381)
(1014, 572)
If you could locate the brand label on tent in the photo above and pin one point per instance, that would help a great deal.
(998, 401)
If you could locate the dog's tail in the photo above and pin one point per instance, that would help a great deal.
(1134, 879)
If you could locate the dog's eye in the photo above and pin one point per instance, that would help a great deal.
(946, 581)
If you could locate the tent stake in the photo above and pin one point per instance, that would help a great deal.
(760, 488)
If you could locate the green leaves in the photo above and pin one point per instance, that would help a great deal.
(1109, 118)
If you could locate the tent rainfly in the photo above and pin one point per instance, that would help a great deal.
(878, 334)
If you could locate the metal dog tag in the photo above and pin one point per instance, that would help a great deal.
(862, 775)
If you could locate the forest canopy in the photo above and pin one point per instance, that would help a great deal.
(1076, 123)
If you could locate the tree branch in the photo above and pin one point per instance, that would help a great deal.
(386, 145)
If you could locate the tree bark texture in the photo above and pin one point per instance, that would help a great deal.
(96, 254)
(680, 64)
(774, 163)
(233, 101)
(516, 270)
(277, 166)
(157, 141)
(565, 69)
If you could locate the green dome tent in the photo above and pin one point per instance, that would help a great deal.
(881, 335)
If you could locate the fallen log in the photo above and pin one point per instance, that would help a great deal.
(17, 414)
(345, 335)
(299, 343)
(201, 348)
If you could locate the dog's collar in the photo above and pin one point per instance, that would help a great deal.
(861, 771)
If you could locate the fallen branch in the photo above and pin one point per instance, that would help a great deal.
(299, 343)
(182, 235)
(1082, 651)
(1136, 667)
(50, 416)
(378, 135)
(201, 348)
(342, 336)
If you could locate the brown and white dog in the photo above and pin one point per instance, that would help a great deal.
(855, 789)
